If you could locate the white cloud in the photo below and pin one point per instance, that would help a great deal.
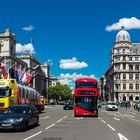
(72, 64)
(28, 28)
(65, 81)
(25, 48)
(69, 79)
(128, 23)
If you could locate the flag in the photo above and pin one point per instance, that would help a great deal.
(24, 78)
(29, 79)
(4, 73)
(12, 73)
(16, 76)
(20, 74)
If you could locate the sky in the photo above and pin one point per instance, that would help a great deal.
(75, 36)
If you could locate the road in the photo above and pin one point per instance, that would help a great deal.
(59, 124)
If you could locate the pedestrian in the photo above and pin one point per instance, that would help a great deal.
(126, 105)
(138, 106)
(134, 105)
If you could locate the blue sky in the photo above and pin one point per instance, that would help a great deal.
(72, 32)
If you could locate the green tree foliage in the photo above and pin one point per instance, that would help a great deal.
(60, 92)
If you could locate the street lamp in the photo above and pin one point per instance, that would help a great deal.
(49, 63)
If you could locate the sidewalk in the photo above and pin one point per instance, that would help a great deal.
(128, 109)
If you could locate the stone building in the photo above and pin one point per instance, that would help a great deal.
(51, 79)
(123, 76)
(34, 68)
(25, 61)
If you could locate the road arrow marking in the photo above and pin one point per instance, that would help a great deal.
(122, 137)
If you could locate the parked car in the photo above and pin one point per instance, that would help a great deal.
(111, 107)
(19, 117)
(68, 106)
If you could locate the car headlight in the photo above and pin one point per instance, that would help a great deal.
(19, 120)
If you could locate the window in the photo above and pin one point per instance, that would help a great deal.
(130, 86)
(116, 86)
(124, 76)
(137, 86)
(131, 76)
(86, 84)
(117, 67)
(137, 67)
(124, 86)
(130, 67)
(136, 58)
(137, 76)
(124, 66)
(118, 76)
(130, 58)
(123, 58)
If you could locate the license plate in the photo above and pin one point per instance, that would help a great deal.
(6, 125)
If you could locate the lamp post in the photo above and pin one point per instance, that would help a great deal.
(49, 62)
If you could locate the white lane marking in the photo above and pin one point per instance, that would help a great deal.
(59, 120)
(50, 126)
(116, 119)
(133, 113)
(121, 115)
(33, 135)
(45, 117)
(111, 127)
(65, 117)
(117, 115)
(122, 137)
(99, 118)
(103, 121)
(134, 120)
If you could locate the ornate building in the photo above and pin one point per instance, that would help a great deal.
(26, 61)
(123, 76)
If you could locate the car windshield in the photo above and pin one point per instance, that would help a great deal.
(69, 103)
(111, 103)
(3, 93)
(17, 109)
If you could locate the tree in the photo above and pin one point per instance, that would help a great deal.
(60, 92)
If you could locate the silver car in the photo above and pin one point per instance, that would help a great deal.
(111, 107)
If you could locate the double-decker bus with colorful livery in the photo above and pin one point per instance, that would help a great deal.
(86, 97)
(12, 93)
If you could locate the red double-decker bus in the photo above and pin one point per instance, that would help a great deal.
(86, 97)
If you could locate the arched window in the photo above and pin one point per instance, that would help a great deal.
(137, 98)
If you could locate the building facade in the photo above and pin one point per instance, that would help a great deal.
(26, 62)
(123, 76)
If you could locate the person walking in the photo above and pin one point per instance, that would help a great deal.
(139, 107)
(126, 105)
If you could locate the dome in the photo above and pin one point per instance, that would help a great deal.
(123, 35)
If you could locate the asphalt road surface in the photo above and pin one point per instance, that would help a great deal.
(59, 124)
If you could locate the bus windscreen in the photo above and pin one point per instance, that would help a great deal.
(86, 102)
